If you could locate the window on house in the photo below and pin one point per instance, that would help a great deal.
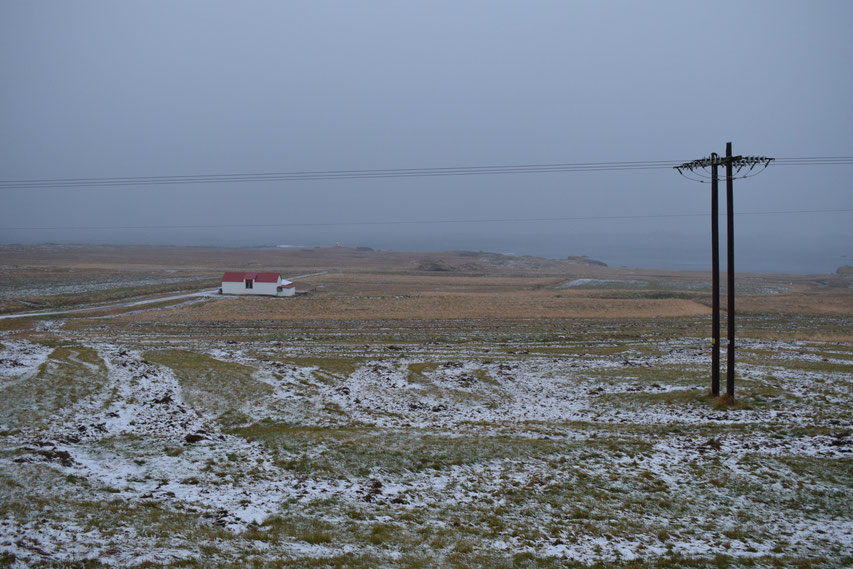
(249, 283)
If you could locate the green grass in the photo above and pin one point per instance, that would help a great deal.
(333, 366)
(213, 386)
(418, 371)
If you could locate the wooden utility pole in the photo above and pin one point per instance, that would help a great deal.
(715, 278)
(730, 273)
(731, 163)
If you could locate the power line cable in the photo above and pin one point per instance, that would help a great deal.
(336, 174)
(816, 160)
(507, 169)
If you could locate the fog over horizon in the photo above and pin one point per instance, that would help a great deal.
(142, 89)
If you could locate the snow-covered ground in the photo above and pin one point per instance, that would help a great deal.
(227, 453)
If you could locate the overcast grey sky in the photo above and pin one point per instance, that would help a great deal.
(99, 89)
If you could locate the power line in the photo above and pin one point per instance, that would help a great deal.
(813, 161)
(333, 175)
(416, 222)
(492, 170)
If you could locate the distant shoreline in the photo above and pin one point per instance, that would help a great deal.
(612, 256)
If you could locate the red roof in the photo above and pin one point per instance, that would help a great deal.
(236, 277)
(267, 277)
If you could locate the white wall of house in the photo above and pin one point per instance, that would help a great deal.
(235, 288)
(287, 289)
(263, 288)
(279, 288)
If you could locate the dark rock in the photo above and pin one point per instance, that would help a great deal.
(434, 266)
(711, 444)
(584, 260)
(163, 400)
(63, 456)
(466, 380)
(374, 489)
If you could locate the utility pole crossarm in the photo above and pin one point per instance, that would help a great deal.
(737, 162)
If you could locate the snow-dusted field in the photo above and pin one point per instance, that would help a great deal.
(75, 285)
(468, 450)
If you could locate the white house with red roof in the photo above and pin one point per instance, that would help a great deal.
(267, 284)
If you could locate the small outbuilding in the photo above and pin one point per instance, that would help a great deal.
(266, 284)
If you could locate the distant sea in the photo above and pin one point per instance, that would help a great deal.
(670, 252)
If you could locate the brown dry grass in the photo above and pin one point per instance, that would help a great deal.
(801, 300)
(427, 305)
(374, 285)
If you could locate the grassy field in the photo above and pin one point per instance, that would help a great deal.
(397, 418)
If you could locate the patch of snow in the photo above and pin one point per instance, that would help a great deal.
(20, 358)
(603, 283)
